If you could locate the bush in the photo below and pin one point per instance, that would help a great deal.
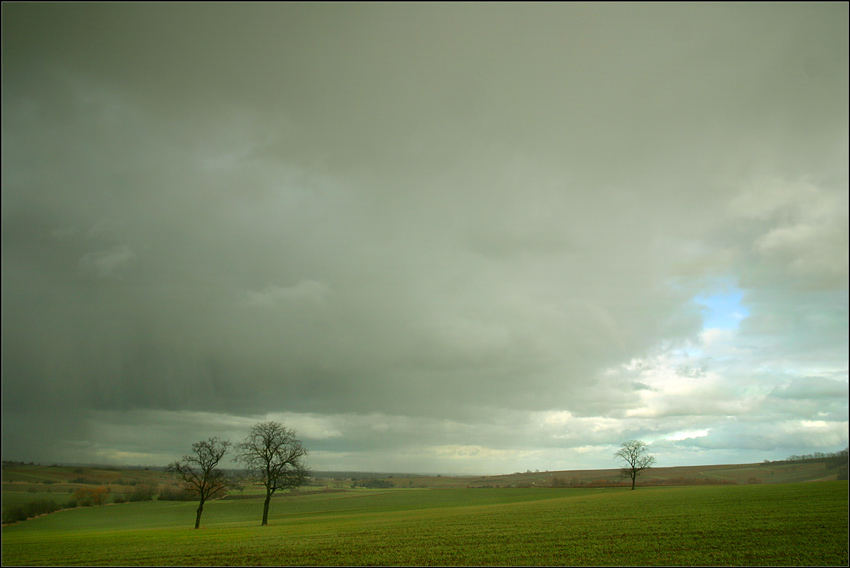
(41, 507)
(175, 494)
(374, 484)
(13, 514)
(28, 511)
(88, 497)
(119, 499)
(142, 493)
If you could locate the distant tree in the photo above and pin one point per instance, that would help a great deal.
(375, 484)
(274, 457)
(143, 492)
(636, 459)
(236, 484)
(175, 493)
(199, 471)
(88, 497)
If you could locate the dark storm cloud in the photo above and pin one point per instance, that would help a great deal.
(433, 224)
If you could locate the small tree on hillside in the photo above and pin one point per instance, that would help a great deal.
(273, 456)
(636, 459)
(199, 471)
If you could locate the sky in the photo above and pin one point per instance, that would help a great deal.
(464, 238)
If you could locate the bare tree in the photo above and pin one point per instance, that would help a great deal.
(273, 456)
(199, 471)
(633, 453)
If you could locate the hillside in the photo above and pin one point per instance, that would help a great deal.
(768, 472)
(60, 479)
(778, 472)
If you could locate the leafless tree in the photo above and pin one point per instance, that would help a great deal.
(199, 471)
(273, 456)
(636, 459)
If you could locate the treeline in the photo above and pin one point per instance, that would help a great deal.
(373, 484)
(833, 460)
(86, 481)
(92, 497)
(83, 497)
(30, 510)
(561, 482)
(836, 458)
(149, 492)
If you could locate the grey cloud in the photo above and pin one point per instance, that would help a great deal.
(769, 438)
(108, 263)
(434, 214)
(807, 241)
(305, 292)
(813, 388)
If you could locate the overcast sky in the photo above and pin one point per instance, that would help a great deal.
(450, 238)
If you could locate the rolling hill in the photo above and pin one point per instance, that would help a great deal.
(28, 477)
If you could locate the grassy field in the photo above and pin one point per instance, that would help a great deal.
(785, 524)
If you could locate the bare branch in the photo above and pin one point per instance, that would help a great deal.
(274, 456)
(636, 459)
(199, 471)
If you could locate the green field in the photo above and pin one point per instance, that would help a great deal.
(783, 524)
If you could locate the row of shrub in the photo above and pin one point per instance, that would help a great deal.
(89, 497)
(33, 509)
(84, 481)
(176, 494)
(374, 484)
(575, 482)
(697, 481)
(141, 493)
(148, 492)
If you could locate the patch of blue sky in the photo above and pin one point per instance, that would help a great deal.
(723, 310)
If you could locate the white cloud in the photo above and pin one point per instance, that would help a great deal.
(687, 435)
(812, 387)
(456, 451)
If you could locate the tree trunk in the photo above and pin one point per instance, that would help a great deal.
(266, 509)
(198, 516)
(634, 477)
